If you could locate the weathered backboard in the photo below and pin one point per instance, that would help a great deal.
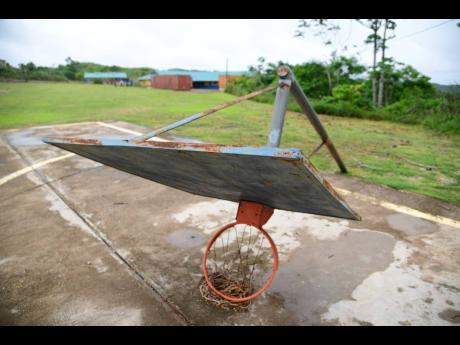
(280, 178)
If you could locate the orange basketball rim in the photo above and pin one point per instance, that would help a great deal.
(242, 252)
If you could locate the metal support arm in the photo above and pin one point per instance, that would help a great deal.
(284, 72)
(201, 114)
(279, 112)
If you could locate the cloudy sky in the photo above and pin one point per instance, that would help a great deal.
(431, 46)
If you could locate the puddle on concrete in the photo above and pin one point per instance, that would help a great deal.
(322, 272)
(23, 138)
(410, 225)
(399, 289)
(450, 315)
(187, 238)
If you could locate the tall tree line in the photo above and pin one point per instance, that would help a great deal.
(382, 31)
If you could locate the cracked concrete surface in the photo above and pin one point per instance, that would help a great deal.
(96, 246)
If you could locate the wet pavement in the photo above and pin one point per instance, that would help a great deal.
(85, 244)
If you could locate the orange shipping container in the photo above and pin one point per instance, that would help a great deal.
(172, 82)
(223, 80)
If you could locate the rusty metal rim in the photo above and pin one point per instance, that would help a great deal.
(267, 283)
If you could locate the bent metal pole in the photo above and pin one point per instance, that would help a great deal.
(285, 72)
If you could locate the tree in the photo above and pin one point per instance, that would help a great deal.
(258, 70)
(327, 30)
(405, 82)
(310, 76)
(343, 70)
(374, 38)
(70, 69)
(346, 70)
(265, 73)
(388, 29)
(27, 69)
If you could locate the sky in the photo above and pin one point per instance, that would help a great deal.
(207, 44)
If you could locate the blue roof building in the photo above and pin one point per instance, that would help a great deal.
(106, 77)
(205, 79)
(146, 77)
(201, 76)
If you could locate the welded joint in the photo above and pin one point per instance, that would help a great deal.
(283, 72)
(328, 142)
(316, 149)
(285, 84)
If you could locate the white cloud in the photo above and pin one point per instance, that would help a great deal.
(206, 44)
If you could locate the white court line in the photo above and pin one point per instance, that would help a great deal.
(28, 169)
(65, 125)
(402, 209)
(127, 131)
(398, 208)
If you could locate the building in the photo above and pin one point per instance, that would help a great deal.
(106, 77)
(145, 80)
(172, 82)
(215, 80)
(224, 78)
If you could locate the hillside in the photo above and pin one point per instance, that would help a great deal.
(72, 70)
(454, 88)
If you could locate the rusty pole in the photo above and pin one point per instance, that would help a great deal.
(285, 72)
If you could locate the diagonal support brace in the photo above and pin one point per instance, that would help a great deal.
(285, 72)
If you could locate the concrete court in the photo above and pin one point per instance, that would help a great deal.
(85, 244)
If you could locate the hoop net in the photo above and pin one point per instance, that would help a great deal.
(240, 263)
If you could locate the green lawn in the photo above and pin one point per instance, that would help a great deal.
(401, 156)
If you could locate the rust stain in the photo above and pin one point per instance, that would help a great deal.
(285, 154)
(181, 145)
(80, 141)
(284, 85)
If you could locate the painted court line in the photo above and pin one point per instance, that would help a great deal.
(127, 130)
(65, 125)
(28, 169)
(402, 209)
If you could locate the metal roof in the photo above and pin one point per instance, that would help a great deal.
(201, 75)
(105, 75)
(146, 77)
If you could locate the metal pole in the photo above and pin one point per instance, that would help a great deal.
(201, 115)
(279, 112)
(302, 100)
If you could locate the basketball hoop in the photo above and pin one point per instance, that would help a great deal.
(241, 259)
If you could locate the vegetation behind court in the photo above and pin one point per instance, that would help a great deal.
(409, 96)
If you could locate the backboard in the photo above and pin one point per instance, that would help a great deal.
(279, 178)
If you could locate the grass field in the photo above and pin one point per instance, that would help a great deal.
(405, 157)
